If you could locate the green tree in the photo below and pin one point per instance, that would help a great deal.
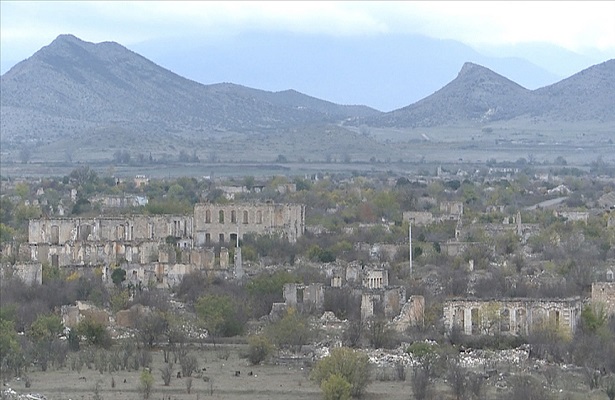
(10, 351)
(593, 319)
(335, 387)
(349, 364)
(146, 383)
(6, 233)
(95, 333)
(291, 331)
(118, 276)
(46, 327)
(218, 314)
(259, 349)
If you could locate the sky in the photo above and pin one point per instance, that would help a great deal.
(580, 26)
(583, 31)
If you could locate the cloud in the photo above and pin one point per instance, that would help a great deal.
(27, 26)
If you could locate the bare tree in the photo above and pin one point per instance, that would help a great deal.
(166, 372)
(456, 378)
(421, 383)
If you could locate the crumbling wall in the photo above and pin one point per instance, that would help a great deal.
(418, 218)
(304, 296)
(28, 273)
(511, 316)
(220, 223)
(411, 314)
(72, 315)
(603, 293)
(375, 278)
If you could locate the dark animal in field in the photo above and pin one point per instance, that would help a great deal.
(179, 375)
(237, 373)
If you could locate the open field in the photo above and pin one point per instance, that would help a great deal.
(289, 380)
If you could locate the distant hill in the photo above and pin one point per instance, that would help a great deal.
(75, 86)
(478, 96)
(76, 101)
(386, 71)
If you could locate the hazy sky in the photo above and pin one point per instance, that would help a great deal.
(579, 26)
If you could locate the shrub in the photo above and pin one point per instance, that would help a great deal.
(349, 364)
(335, 387)
(292, 331)
(259, 349)
(166, 372)
(189, 364)
(146, 383)
(95, 333)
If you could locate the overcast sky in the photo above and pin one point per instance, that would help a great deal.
(579, 26)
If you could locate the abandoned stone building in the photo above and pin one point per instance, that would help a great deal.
(140, 243)
(223, 223)
(511, 316)
(378, 298)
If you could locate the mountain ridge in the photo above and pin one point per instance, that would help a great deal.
(74, 90)
(479, 95)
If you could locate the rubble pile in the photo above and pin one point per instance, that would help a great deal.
(10, 394)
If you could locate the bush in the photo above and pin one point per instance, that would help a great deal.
(292, 331)
(166, 372)
(259, 349)
(189, 364)
(146, 383)
(95, 333)
(335, 387)
(352, 366)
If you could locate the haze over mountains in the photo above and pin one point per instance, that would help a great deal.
(393, 70)
(75, 90)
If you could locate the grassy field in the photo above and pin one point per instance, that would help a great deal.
(273, 382)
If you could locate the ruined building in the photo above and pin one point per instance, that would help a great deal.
(511, 316)
(221, 223)
(160, 247)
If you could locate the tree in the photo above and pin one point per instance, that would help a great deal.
(95, 333)
(421, 383)
(146, 383)
(350, 365)
(46, 327)
(292, 331)
(166, 372)
(150, 327)
(335, 387)
(218, 314)
(259, 349)
(10, 351)
(118, 276)
(25, 154)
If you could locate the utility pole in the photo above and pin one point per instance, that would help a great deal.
(410, 243)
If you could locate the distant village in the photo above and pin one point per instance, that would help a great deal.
(160, 250)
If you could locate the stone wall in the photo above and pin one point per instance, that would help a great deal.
(216, 223)
(604, 293)
(304, 296)
(28, 273)
(511, 316)
(418, 217)
(104, 229)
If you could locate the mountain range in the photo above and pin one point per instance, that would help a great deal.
(72, 90)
